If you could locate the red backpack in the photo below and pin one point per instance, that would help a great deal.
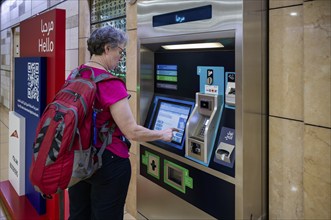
(63, 152)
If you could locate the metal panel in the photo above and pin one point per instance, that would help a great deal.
(157, 207)
(146, 82)
(225, 16)
(253, 84)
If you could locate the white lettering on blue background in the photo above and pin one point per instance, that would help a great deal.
(33, 110)
(179, 19)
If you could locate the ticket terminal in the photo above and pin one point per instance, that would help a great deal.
(205, 118)
(199, 70)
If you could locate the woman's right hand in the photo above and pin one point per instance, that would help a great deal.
(167, 134)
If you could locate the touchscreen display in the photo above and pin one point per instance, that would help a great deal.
(172, 115)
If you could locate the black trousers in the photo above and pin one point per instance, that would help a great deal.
(103, 195)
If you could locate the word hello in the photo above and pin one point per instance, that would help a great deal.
(45, 46)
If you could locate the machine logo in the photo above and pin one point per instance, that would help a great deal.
(14, 134)
(180, 19)
(229, 135)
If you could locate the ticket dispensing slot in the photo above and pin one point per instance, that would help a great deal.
(201, 127)
(177, 176)
(224, 152)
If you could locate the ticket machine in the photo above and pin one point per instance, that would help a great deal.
(201, 70)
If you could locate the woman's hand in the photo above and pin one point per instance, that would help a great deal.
(168, 134)
(123, 117)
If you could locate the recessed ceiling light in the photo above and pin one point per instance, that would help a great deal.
(193, 46)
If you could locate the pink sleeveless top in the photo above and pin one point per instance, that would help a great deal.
(108, 93)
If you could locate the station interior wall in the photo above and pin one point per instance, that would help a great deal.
(299, 53)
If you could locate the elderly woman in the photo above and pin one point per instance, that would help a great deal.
(103, 195)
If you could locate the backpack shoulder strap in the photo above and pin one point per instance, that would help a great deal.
(77, 72)
(108, 138)
(105, 76)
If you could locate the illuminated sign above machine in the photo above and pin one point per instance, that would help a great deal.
(188, 15)
(192, 46)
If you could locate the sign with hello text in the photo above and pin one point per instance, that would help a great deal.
(44, 36)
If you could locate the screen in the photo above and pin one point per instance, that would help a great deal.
(171, 115)
(166, 76)
(170, 112)
(166, 73)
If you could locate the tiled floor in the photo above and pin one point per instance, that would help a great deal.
(4, 123)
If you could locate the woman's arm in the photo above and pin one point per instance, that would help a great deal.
(123, 118)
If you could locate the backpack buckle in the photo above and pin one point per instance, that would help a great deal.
(58, 116)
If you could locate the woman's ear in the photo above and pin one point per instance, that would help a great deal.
(107, 49)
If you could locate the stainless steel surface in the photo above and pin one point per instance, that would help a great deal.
(246, 22)
(250, 123)
(146, 82)
(162, 205)
(225, 15)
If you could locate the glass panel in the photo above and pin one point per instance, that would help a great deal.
(103, 10)
(113, 13)
(118, 23)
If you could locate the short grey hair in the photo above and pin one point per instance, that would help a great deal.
(105, 35)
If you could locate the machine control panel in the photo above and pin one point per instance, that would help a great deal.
(201, 127)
